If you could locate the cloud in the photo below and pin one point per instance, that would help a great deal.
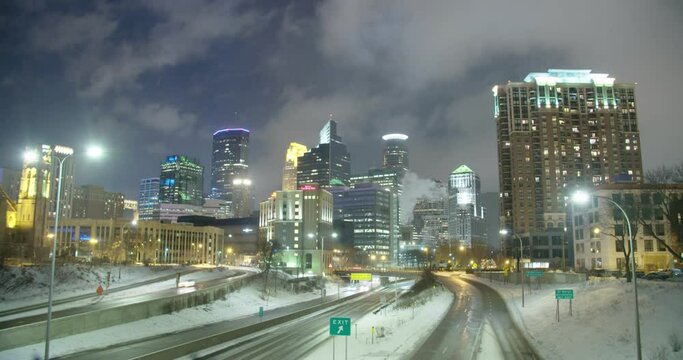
(414, 189)
(165, 119)
(100, 63)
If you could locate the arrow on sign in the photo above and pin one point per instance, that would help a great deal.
(341, 329)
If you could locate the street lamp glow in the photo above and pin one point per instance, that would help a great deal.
(31, 156)
(580, 197)
(92, 241)
(503, 231)
(334, 235)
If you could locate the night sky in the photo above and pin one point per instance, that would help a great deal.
(151, 78)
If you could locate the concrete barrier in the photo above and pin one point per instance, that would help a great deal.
(94, 320)
(547, 278)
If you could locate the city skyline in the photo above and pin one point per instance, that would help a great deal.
(82, 86)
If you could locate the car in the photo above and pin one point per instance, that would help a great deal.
(656, 275)
(186, 283)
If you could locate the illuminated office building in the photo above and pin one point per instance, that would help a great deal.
(395, 152)
(181, 181)
(369, 207)
(33, 205)
(466, 215)
(94, 202)
(326, 165)
(148, 199)
(294, 151)
(230, 169)
(301, 222)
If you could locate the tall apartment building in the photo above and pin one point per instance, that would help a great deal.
(148, 199)
(301, 221)
(294, 151)
(181, 181)
(230, 169)
(557, 131)
(327, 164)
(466, 215)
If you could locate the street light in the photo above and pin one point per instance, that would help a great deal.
(582, 197)
(61, 153)
(521, 255)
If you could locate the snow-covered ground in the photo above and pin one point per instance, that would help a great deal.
(603, 321)
(243, 302)
(23, 286)
(404, 329)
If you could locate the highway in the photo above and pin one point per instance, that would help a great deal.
(459, 333)
(111, 303)
(293, 330)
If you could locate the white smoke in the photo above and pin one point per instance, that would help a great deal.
(414, 189)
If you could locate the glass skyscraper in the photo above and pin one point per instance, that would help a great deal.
(230, 170)
(148, 199)
(181, 181)
(466, 222)
(328, 164)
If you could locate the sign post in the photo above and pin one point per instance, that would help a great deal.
(564, 294)
(260, 313)
(340, 327)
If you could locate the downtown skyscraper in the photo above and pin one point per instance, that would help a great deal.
(466, 216)
(148, 199)
(558, 131)
(328, 164)
(294, 151)
(181, 181)
(230, 170)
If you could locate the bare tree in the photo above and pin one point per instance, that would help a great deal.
(621, 236)
(667, 205)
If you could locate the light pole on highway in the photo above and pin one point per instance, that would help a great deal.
(582, 197)
(521, 255)
(60, 153)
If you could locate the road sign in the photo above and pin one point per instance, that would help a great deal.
(361, 276)
(260, 311)
(564, 294)
(340, 326)
(534, 273)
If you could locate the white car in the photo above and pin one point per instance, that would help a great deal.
(186, 283)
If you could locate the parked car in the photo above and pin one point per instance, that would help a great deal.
(657, 275)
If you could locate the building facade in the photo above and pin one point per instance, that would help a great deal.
(369, 207)
(294, 151)
(326, 164)
(148, 199)
(556, 131)
(94, 202)
(33, 205)
(230, 169)
(67, 190)
(144, 241)
(466, 215)
(301, 223)
(600, 232)
(395, 152)
(181, 181)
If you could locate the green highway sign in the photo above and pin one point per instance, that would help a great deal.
(260, 311)
(340, 326)
(361, 276)
(564, 294)
(535, 273)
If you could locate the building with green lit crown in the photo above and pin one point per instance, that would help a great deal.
(181, 181)
(328, 161)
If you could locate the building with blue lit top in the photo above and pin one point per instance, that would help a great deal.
(181, 181)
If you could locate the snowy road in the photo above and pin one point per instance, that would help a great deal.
(458, 336)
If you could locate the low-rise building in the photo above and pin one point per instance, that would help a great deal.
(601, 235)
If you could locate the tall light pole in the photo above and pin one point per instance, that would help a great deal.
(582, 197)
(61, 153)
(322, 252)
(521, 255)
